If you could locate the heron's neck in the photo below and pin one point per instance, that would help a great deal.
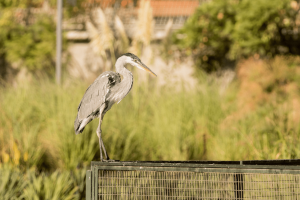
(127, 79)
(126, 84)
(120, 68)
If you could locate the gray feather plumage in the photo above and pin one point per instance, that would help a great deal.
(106, 90)
(94, 97)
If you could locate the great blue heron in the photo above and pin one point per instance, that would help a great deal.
(106, 90)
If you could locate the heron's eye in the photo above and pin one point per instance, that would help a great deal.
(135, 60)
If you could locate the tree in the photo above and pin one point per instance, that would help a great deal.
(26, 40)
(223, 31)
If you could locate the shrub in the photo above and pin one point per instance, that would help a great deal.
(54, 186)
(265, 28)
(11, 183)
(32, 46)
(222, 31)
(26, 40)
(207, 34)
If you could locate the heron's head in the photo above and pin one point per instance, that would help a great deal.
(136, 62)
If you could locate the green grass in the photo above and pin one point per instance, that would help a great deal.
(151, 123)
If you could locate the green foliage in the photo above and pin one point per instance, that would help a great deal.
(20, 131)
(33, 46)
(77, 150)
(222, 31)
(24, 4)
(152, 123)
(263, 134)
(78, 177)
(46, 114)
(15, 184)
(26, 39)
(266, 120)
(266, 29)
(207, 34)
(11, 183)
(11, 3)
(55, 186)
(170, 125)
(44, 130)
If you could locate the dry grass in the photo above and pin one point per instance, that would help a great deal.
(123, 39)
(265, 123)
(272, 81)
(144, 28)
(255, 118)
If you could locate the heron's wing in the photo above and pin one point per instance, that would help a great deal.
(96, 94)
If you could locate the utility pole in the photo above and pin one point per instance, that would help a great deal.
(58, 41)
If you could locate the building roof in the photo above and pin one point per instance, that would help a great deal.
(160, 7)
(173, 7)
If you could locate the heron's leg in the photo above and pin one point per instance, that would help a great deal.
(102, 143)
(106, 154)
(100, 140)
(104, 150)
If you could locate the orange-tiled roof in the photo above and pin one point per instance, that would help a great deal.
(160, 7)
(173, 8)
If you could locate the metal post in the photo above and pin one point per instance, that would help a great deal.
(239, 185)
(58, 41)
(88, 185)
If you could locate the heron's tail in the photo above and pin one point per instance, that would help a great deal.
(77, 124)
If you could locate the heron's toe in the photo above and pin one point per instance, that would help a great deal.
(109, 160)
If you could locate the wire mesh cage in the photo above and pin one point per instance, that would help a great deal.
(193, 180)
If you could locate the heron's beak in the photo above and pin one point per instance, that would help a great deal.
(144, 67)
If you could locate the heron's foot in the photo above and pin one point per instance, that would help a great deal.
(109, 160)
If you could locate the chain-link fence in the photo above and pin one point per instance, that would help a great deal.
(194, 180)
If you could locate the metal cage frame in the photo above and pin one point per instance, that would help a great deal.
(239, 173)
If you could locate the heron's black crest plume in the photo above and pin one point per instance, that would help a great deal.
(131, 55)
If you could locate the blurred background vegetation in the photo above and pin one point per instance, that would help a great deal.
(243, 104)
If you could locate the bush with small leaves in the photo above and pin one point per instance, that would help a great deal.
(222, 31)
